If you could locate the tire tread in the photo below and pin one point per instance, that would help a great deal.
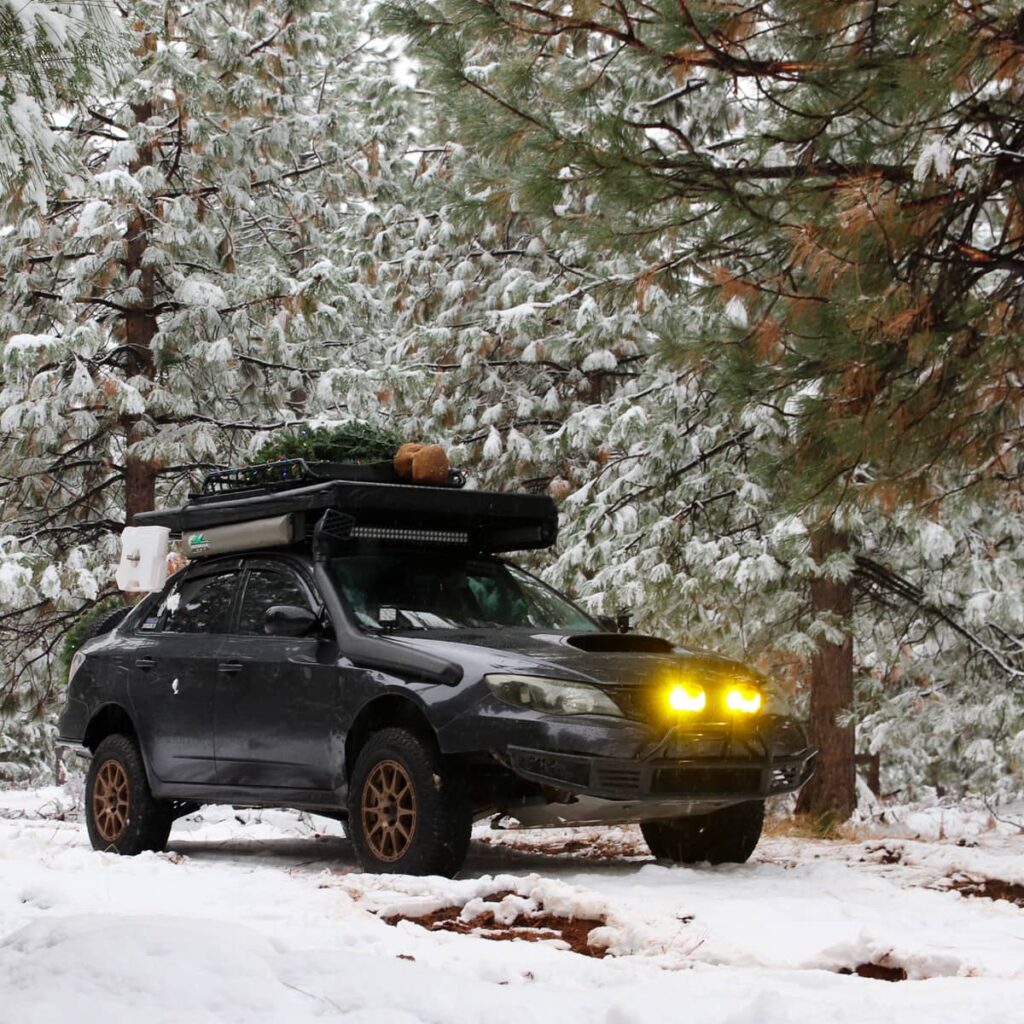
(726, 836)
(443, 814)
(149, 819)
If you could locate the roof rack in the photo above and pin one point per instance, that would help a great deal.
(286, 473)
(379, 507)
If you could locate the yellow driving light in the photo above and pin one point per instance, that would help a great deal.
(687, 697)
(744, 698)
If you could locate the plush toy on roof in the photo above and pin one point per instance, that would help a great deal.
(361, 443)
(422, 464)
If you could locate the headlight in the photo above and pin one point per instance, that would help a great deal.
(743, 698)
(552, 696)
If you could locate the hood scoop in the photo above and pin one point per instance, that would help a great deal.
(619, 643)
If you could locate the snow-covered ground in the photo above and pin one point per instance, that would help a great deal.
(255, 916)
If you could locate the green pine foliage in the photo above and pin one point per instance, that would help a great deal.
(832, 194)
(353, 441)
(183, 293)
(52, 55)
(79, 632)
(710, 276)
(719, 276)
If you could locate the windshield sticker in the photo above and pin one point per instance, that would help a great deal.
(198, 542)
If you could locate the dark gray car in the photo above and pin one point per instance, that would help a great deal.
(389, 669)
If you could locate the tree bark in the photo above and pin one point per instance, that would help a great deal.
(833, 789)
(140, 327)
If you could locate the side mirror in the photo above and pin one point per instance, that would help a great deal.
(288, 620)
(620, 623)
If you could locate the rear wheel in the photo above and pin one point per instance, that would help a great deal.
(728, 836)
(408, 808)
(121, 814)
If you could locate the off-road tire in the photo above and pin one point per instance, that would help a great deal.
(728, 836)
(117, 779)
(432, 785)
(106, 622)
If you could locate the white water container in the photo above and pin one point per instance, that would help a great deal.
(143, 565)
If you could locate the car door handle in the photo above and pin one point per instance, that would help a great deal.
(229, 668)
(145, 663)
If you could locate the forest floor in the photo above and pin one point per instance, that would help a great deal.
(263, 916)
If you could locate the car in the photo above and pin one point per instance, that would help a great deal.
(365, 649)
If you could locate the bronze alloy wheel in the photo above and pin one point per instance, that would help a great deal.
(388, 810)
(110, 794)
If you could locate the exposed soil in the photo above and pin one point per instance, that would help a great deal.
(882, 854)
(609, 847)
(877, 972)
(534, 926)
(991, 889)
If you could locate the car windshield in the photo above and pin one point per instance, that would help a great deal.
(430, 589)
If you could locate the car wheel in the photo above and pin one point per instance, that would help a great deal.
(408, 809)
(728, 836)
(121, 814)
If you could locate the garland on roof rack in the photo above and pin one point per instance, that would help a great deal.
(352, 441)
(309, 453)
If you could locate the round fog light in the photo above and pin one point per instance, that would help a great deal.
(687, 697)
(744, 698)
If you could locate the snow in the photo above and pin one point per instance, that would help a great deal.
(935, 156)
(196, 292)
(736, 312)
(256, 916)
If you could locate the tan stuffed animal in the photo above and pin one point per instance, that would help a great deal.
(422, 464)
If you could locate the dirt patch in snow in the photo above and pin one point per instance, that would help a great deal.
(991, 889)
(528, 926)
(877, 972)
(612, 845)
(883, 853)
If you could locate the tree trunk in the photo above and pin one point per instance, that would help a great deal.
(140, 328)
(833, 789)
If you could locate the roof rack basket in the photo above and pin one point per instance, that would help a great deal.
(282, 474)
(373, 505)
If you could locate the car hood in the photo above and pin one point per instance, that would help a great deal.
(602, 658)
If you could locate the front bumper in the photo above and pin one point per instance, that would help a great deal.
(700, 763)
(660, 779)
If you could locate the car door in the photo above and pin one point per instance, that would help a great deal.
(174, 674)
(277, 697)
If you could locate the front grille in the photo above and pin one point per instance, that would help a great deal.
(617, 778)
(575, 771)
(649, 703)
(639, 703)
(688, 781)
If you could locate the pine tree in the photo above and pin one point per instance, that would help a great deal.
(51, 55)
(175, 299)
(827, 200)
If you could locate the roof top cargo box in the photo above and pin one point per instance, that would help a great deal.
(488, 520)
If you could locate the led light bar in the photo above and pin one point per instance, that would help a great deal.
(411, 535)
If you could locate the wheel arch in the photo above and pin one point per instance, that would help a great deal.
(390, 709)
(107, 720)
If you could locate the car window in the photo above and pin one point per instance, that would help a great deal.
(200, 605)
(427, 589)
(263, 589)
